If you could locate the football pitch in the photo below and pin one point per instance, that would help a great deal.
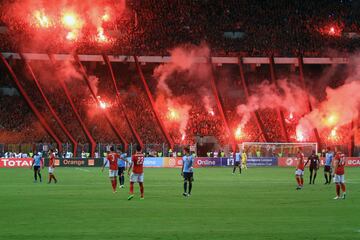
(261, 203)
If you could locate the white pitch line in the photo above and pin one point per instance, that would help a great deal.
(81, 169)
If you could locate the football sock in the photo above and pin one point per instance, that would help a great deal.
(35, 175)
(131, 188)
(240, 170)
(113, 184)
(141, 189)
(298, 180)
(185, 186)
(337, 190)
(190, 187)
(122, 180)
(39, 176)
(326, 178)
(50, 177)
(314, 177)
(54, 178)
(234, 169)
(301, 181)
(343, 188)
(329, 178)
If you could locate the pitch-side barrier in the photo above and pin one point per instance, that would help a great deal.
(169, 162)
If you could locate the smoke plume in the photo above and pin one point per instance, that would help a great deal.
(340, 107)
(187, 62)
(286, 95)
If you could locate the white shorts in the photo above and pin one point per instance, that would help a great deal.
(113, 173)
(339, 178)
(135, 177)
(299, 172)
(51, 170)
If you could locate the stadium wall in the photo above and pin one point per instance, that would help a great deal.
(168, 162)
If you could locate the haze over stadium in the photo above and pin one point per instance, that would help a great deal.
(274, 80)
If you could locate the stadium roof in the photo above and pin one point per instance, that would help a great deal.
(164, 59)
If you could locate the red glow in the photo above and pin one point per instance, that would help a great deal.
(333, 133)
(334, 30)
(300, 135)
(71, 36)
(105, 17)
(100, 36)
(41, 19)
(71, 21)
(183, 137)
(238, 133)
(331, 120)
(103, 105)
(291, 116)
(172, 114)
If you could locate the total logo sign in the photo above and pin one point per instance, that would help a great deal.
(15, 162)
(174, 162)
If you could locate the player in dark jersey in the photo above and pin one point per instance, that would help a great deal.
(314, 166)
(121, 167)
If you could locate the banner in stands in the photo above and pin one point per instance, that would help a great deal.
(262, 162)
(15, 162)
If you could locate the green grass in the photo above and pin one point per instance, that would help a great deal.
(260, 204)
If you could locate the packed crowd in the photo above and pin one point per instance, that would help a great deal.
(271, 28)
(140, 113)
(151, 28)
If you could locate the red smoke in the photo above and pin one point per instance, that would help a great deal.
(340, 107)
(286, 96)
(190, 62)
(63, 20)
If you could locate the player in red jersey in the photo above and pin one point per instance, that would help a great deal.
(339, 177)
(51, 166)
(300, 170)
(137, 174)
(112, 159)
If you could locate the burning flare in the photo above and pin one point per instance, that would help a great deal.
(102, 105)
(41, 19)
(238, 133)
(100, 35)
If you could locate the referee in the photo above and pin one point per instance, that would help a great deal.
(314, 165)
